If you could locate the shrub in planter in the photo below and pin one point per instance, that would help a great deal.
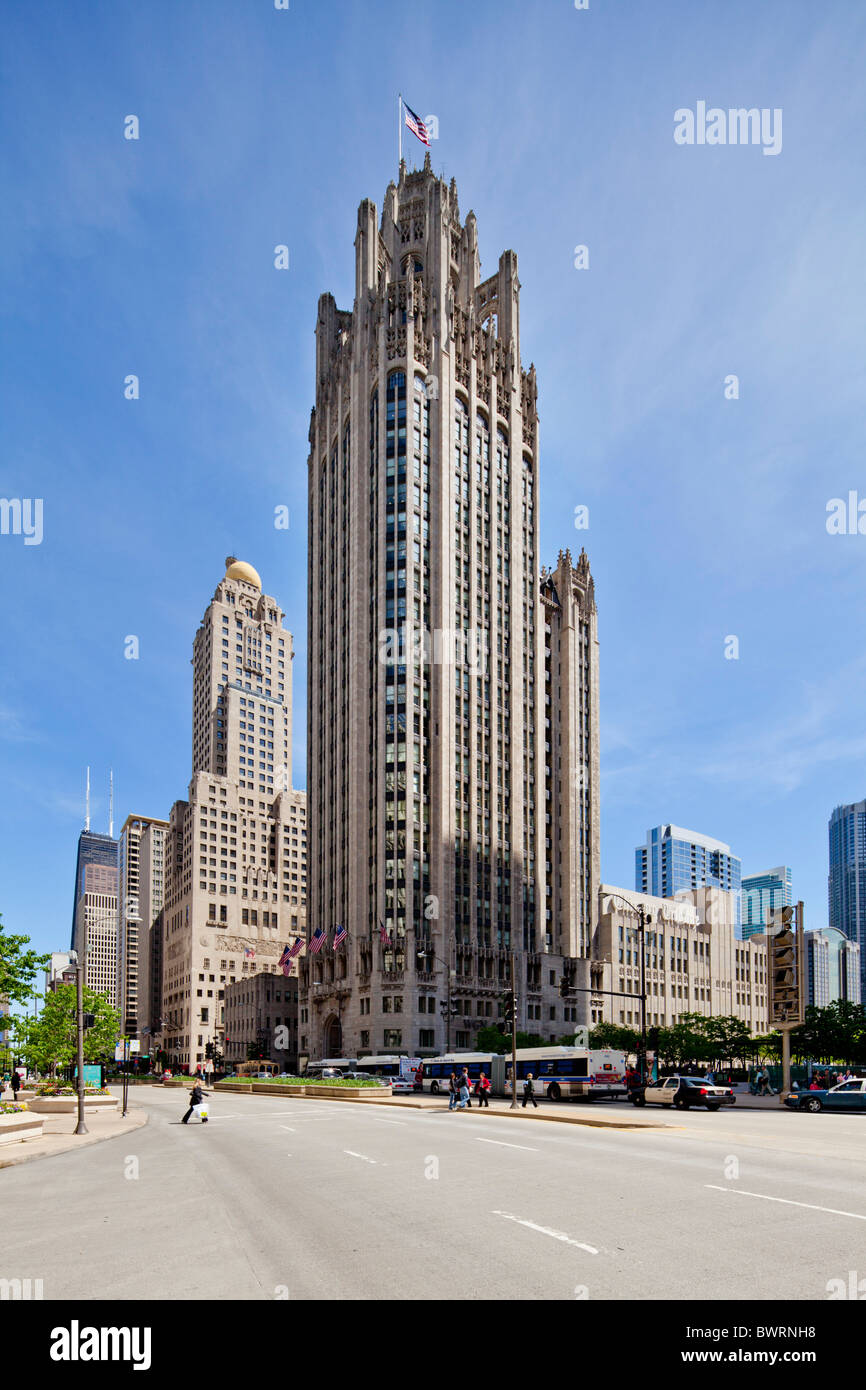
(11, 1108)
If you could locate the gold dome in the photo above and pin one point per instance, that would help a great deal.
(239, 569)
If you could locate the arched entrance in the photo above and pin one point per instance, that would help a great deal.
(332, 1038)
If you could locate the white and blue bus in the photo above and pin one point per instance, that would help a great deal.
(437, 1070)
(565, 1073)
(390, 1066)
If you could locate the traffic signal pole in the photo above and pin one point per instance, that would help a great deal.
(513, 1036)
(81, 1127)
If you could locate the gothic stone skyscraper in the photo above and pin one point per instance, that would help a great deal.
(429, 697)
(234, 855)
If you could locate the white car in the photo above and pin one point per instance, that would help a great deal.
(682, 1092)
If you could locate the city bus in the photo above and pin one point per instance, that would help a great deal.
(389, 1064)
(565, 1073)
(330, 1066)
(437, 1070)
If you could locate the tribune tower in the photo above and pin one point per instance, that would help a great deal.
(428, 721)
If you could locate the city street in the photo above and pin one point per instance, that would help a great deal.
(313, 1199)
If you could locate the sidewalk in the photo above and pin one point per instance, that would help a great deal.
(58, 1134)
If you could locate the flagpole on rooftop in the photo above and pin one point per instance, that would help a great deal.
(399, 129)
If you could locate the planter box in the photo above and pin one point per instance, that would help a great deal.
(22, 1125)
(265, 1088)
(66, 1105)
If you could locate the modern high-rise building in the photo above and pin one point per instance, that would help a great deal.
(235, 853)
(95, 937)
(452, 738)
(673, 860)
(847, 880)
(762, 894)
(93, 850)
(140, 901)
(833, 967)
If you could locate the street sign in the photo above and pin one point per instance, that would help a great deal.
(786, 966)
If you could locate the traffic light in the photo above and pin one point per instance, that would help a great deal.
(509, 1002)
(208, 1051)
(564, 987)
(88, 1020)
(652, 1039)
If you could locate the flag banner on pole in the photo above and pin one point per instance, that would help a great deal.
(249, 953)
(317, 940)
(416, 125)
(339, 936)
(296, 948)
(383, 934)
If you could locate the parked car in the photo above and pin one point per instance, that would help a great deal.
(848, 1095)
(365, 1076)
(682, 1092)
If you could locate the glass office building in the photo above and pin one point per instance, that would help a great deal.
(674, 859)
(847, 881)
(833, 967)
(763, 893)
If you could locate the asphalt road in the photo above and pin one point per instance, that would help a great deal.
(305, 1199)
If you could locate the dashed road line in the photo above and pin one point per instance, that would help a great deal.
(546, 1231)
(787, 1201)
(502, 1144)
(352, 1154)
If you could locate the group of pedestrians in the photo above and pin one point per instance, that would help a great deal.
(826, 1080)
(460, 1089)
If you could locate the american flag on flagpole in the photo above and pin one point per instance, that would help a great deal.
(317, 940)
(416, 125)
(339, 936)
(285, 961)
(296, 948)
(383, 934)
(249, 953)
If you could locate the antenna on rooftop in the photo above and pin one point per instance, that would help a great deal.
(87, 803)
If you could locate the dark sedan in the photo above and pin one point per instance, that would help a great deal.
(848, 1095)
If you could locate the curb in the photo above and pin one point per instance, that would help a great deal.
(135, 1119)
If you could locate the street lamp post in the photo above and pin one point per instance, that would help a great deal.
(422, 954)
(642, 920)
(81, 1127)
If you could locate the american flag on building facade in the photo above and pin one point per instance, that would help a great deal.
(416, 125)
(249, 953)
(317, 940)
(339, 936)
(296, 948)
(383, 934)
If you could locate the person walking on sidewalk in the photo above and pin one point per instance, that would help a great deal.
(465, 1085)
(529, 1091)
(483, 1091)
(453, 1090)
(196, 1096)
(15, 1083)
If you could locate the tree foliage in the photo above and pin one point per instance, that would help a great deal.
(49, 1042)
(18, 967)
(493, 1040)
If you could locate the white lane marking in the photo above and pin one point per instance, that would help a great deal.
(390, 1122)
(502, 1144)
(546, 1231)
(787, 1201)
(352, 1154)
(289, 1128)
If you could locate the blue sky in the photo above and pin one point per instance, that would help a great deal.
(707, 515)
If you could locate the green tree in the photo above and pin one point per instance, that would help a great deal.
(494, 1040)
(49, 1042)
(616, 1036)
(18, 967)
